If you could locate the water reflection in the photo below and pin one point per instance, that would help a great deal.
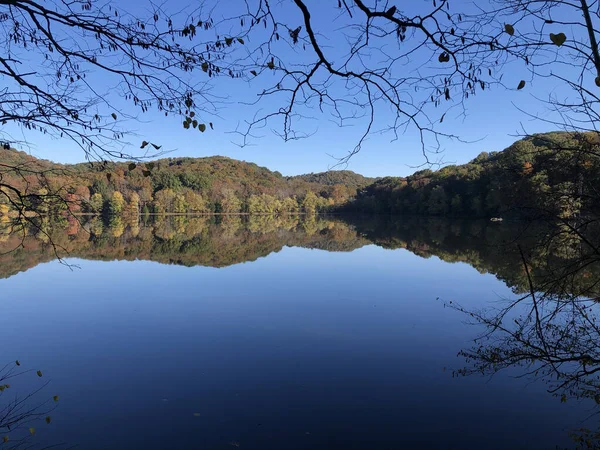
(184, 240)
(546, 330)
(557, 263)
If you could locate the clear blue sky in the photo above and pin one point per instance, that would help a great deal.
(492, 123)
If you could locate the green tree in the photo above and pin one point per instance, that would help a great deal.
(163, 200)
(96, 202)
(179, 204)
(196, 202)
(230, 203)
(310, 203)
(289, 205)
(116, 203)
(438, 201)
(263, 204)
(456, 205)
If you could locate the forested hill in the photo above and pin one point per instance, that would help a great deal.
(15, 158)
(553, 173)
(333, 177)
(180, 185)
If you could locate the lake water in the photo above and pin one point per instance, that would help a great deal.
(203, 333)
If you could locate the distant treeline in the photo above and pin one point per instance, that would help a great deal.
(547, 174)
(172, 185)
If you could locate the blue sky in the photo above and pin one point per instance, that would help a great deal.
(491, 124)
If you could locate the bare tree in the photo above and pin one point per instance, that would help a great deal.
(557, 40)
(68, 67)
(20, 414)
(78, 70)
(367, 64)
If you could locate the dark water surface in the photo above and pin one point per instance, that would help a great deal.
(271, 334)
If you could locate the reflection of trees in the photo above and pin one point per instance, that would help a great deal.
(550, 332)
(553, 340)
(187, 240)
(554, 256)
(558, 262)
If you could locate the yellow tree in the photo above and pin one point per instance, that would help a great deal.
(133, 207)
(116, 204)
(310, 202)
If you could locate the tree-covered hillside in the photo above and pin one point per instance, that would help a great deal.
(333, 177)
(176, 185)
(546, 174)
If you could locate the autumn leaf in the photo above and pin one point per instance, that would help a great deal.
(509, 29)
(521, 85)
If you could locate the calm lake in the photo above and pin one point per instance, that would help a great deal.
(270, 333)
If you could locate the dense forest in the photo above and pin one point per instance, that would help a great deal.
(553, 174)
(172, 185)
(548, 174)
